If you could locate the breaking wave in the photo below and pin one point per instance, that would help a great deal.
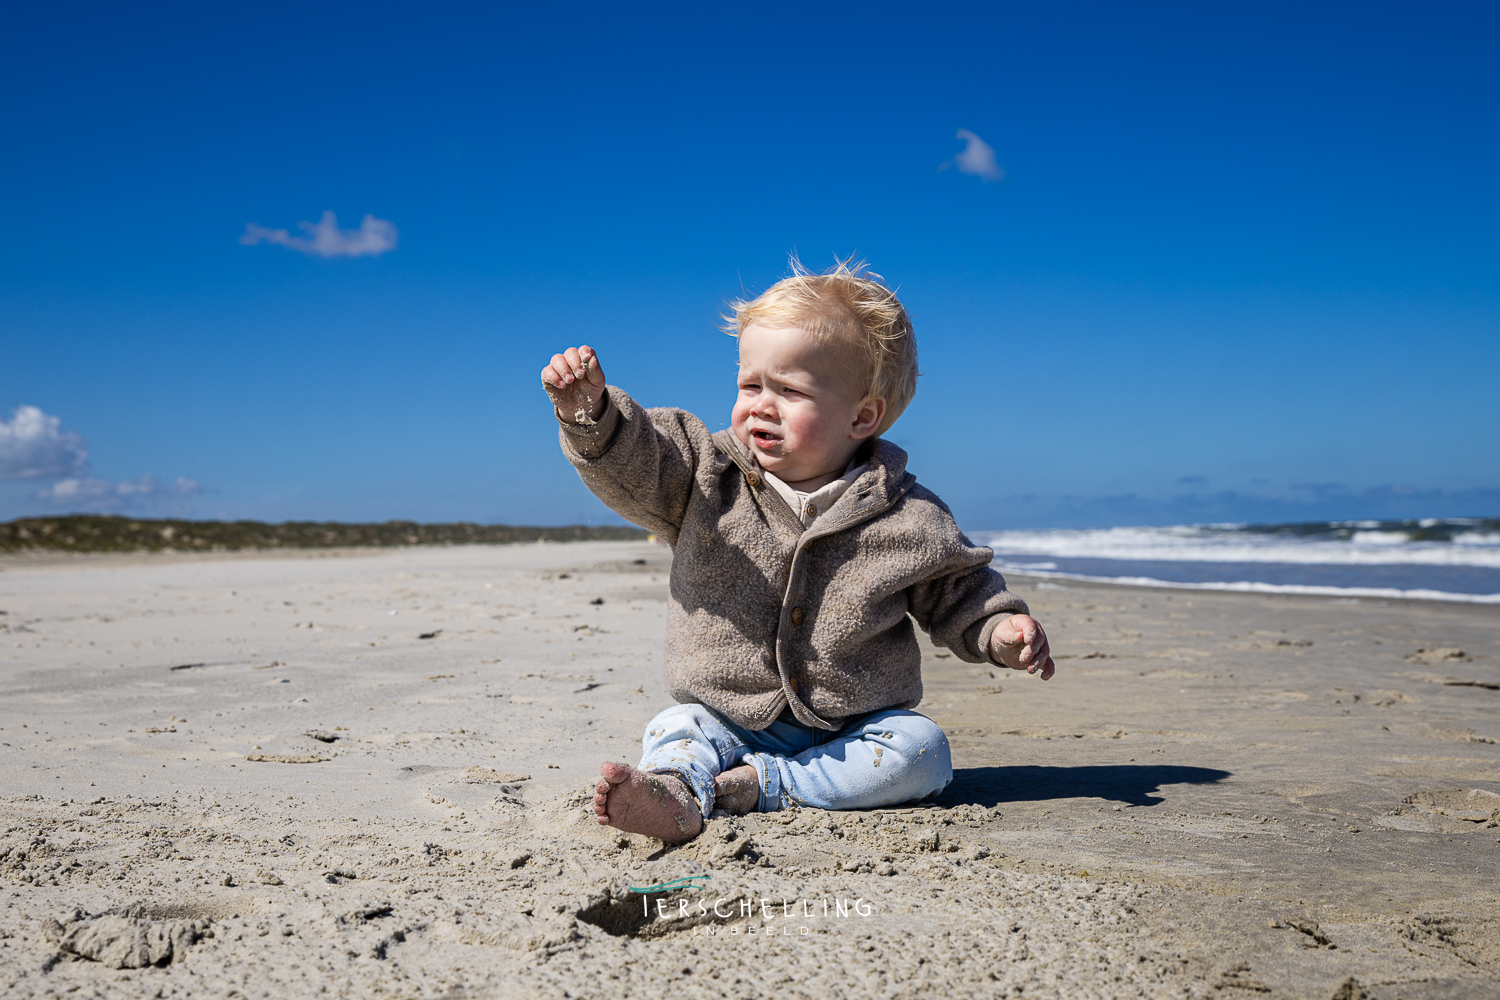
(1456, 559)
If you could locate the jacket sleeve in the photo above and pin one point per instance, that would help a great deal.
(963, 599)
(641, 463)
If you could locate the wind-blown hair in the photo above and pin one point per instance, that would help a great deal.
(846, 305)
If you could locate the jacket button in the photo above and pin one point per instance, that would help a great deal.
(812, 510)
(752, 479)
(796, 616)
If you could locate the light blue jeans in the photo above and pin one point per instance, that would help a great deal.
(879, 759)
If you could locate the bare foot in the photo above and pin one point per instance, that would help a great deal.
(657, 805)
(737, 790)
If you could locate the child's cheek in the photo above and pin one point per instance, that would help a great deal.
(805, 426)
(739, 423)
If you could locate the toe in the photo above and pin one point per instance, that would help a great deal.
(614, 772)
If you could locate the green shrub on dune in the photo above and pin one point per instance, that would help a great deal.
(95, 533)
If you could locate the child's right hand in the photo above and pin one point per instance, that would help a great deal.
(575, 383)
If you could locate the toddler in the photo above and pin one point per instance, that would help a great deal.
(803, 553)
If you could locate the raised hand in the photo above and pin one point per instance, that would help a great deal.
(1020, 643)
(575, 383)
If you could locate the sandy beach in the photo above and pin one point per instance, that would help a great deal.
(367, 773)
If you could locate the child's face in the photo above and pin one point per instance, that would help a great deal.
(798, 410)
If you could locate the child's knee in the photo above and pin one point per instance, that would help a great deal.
(909, 730)
(921, 746)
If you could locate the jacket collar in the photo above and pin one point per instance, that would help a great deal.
(883, 483)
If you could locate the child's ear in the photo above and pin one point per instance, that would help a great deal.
(867, 418)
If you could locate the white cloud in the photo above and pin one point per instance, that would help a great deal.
(33, 445)
(87, 494)
(977, 157)
(325, 239)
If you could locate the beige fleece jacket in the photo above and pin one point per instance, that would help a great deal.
(765, 613)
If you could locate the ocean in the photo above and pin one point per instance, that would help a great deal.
(1448, 559)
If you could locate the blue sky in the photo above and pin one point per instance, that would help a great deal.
(1242, 265)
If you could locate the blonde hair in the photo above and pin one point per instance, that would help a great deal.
(848, 304)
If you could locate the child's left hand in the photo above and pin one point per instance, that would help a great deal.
(1020, 643)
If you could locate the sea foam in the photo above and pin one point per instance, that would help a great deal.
(1432, 559)
(1243, 544)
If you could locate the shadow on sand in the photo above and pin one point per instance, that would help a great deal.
(1129, 783)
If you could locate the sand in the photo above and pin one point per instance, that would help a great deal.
(368, 773)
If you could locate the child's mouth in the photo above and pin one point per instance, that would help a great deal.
(765, 438)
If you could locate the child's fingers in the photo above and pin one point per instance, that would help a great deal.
(1027, 634)
(591, 368)
(562, 371)
(1039, 655)
(1034, 654)
(553, 371)
(574, 362)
